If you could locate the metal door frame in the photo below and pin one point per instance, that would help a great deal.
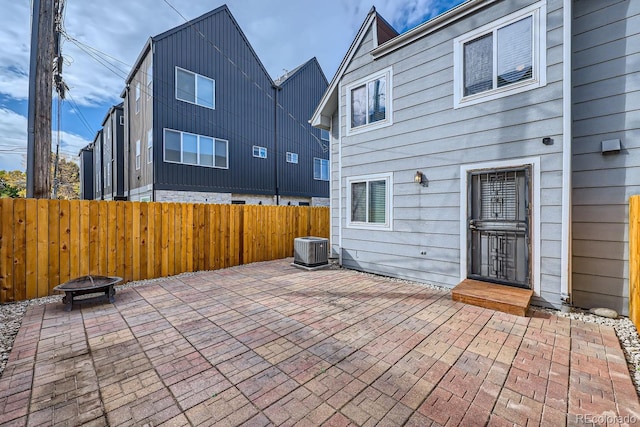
(517, 227)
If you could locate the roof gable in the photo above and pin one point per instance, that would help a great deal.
(298, 70)
(191, 25)
(328, 103)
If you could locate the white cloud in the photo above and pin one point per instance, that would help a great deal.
(284, 34)
(13, 141)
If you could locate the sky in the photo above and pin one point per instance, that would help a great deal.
(103, 40)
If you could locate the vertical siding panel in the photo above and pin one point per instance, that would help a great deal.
(65, 235)
(151, 241)
(135, 234)
(84, 256)
(43, 248)
(178, 239)
(121, 239)
(103, 226)
(634, 260)
(31, 248)
(74, 239)
(7, 287)
(144, 243)
(19, 266)
(54, 248)
(202, 233)
(171, 234)
(94, 239)
(165, 239)
(128, 243)
(111, 248)
(159, 242)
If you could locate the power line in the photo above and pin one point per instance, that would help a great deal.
(94, 54)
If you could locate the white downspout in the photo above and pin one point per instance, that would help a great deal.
(567, 138)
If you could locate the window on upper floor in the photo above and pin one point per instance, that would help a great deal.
(194, 88)
(260, 152)
(149, 145)
(320, 169)
(369, 102)
(138, 155)
(324, 135)
(137, 97)
(192, 149)
(150, 81)
(292, 157)
(369, 199)
(502, 58)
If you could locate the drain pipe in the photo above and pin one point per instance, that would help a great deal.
(567, 138)
(276, 88)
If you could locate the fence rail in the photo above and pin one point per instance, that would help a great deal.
(47, 242)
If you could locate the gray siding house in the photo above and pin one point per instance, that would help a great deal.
(204, 121)
(493, 142)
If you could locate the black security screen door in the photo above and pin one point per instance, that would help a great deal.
(499, 226)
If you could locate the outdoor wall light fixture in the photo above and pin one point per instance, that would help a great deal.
(419, 178)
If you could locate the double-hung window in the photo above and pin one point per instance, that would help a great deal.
(369, 102)
(138, 155)
(149, 145)
(137, 97)
(369, 201)
(260, 152)
(502, 58)
(320, 169)
(194, 88)
(192, 149)
(292, 157)
(150, 81)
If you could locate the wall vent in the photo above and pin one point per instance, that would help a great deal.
(310, 251)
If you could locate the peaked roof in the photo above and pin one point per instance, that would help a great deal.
(322, 116)
(287, 76)
(387, 40)
(187, 26)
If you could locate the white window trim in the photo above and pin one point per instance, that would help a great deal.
(260, 151)
(195, 77)
(328, 169)
(291, 156)
(149, 80)
(198, 145)
(150, 146)
(538, 12)
(388, 121)
(121, 120)
(137, 100)
(388, 225)
(138, 155)
(534, 162)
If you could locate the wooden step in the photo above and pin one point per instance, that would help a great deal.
(507, 299)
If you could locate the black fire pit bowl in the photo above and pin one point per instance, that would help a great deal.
(88, 285)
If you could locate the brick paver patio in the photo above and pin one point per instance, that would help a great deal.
(268, 344)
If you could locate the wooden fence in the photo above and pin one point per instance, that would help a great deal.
(47, 242)
(634, 260)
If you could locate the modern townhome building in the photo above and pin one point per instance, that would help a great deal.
(86, 173)
(495, 142)
(113, 154)
(204, 121)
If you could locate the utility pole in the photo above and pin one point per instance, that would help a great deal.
(40, 84)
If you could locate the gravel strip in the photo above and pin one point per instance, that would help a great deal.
(11, 318)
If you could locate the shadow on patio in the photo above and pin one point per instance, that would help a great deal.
(269, 344)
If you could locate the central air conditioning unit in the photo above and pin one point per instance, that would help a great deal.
(310, 251)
